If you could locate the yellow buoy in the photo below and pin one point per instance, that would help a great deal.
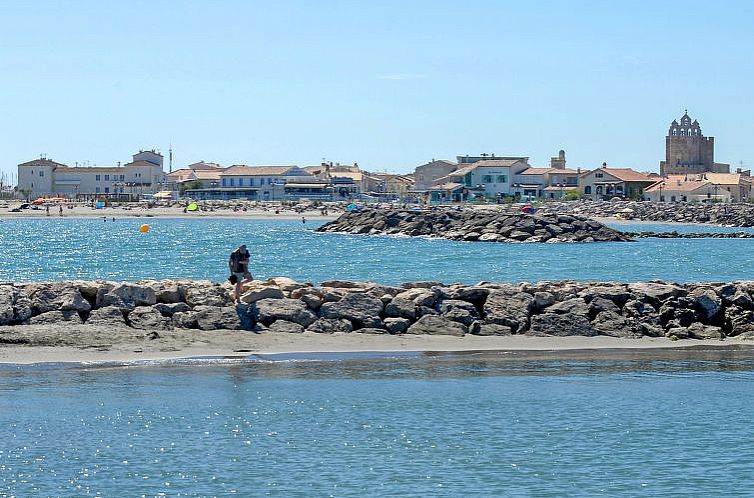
(144, 228)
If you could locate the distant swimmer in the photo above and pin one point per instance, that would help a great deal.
(303, 220)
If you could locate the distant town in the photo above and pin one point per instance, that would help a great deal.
(688, 173)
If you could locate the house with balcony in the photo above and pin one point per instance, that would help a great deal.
(605, 183)
(264, 183)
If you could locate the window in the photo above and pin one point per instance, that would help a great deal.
(261, 181)
(107, 190)
(599, 189)
(232, 182)
(224, 182)
(122, 177)
(251, 182)
(240, 182)
(96, 190)
(107, 178)
(598, 175)
(41, 173)
(486, 178)
(502, 179)
(97, 177)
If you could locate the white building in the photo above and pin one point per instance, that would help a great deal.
(264, 183)
(47, 178)
(489, 177)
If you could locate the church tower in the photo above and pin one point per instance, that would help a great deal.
(688, 152)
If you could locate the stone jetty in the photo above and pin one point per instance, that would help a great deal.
(281, 305)
(699, 235)
(734, 215)
(474, 225)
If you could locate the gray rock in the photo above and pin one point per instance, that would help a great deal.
(700, 331)
(208, 294)
(742, 300)
(575, 306)
(292, 310)
(420, 296)
(125, 295)
(109, 315)
(613, 324)
(460, 315)
(185, 320)
(397, 325)
(258, 293)
(7, 298)
(435, 325)
(330, 325)
(286, 327)
(473, 294)
(656, 291)
(738, 320)
(615, 293)
(170, 309)
(217, 317)
(361, 309)
(509, 308)
(58, 297)
(600, 304)
(543, 299)
(148, 318)
(561, 325)
(56, 317)
(401, 308)
(706, 303)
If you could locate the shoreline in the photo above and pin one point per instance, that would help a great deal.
(232, 345)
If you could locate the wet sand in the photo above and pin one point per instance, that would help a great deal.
(83, 343)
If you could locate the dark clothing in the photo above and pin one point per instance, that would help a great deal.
(236, 266)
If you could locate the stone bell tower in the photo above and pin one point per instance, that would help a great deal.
(688, 152)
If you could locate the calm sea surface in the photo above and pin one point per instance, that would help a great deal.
(55, 249)
(672, 423)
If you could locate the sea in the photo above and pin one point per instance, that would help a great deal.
(671, 422)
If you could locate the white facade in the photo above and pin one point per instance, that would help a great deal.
(43, 177)
(492, 177)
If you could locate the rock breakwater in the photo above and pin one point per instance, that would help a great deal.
(566, 308)
(474, 225)
(734, 215)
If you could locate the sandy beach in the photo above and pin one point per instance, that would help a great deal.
(253, 211)
(50, 343)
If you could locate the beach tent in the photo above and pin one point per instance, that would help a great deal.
(39, 201)
(192, 207)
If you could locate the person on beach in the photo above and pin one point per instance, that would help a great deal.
(239, 269)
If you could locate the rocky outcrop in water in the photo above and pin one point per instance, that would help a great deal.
(702, 235)
(474, 225)
(281, 305)
(735, 215)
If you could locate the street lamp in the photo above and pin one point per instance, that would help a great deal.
(662, 184)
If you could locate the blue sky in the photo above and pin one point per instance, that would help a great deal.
(388, 84)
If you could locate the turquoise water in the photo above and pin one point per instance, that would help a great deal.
(55, 249)
(619, 424)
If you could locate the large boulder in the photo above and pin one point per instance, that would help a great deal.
(148, 318)
(166, 291)
(217, 317)
(400, 307)
(509, 308)
(491, 329)
(292, 310)
(125, 295)
(614, 324)
(7, 298)
(420, 296)
(170, 309)
(204, 293)
(574, 306)
(58, 297)
(259, 292)
(656, 292)
(397, 325)
(706, 303)
(361, 309)
(561, 325)
(435, 325)
(107, 316)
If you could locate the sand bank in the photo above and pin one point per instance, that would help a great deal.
(103, 344)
